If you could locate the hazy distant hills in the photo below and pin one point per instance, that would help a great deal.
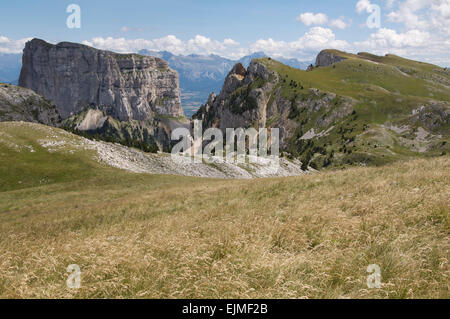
(202, 74)
(10, 65)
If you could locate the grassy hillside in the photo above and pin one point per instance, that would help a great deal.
(401, 109)
(369, 76)
(150, 236)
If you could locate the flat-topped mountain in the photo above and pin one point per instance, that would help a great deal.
(350, 109)
(127, 86)
(124, 98)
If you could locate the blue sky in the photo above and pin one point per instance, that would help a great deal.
(415, 28)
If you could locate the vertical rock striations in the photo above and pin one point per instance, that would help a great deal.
(125, 98)
(126, 86)
(328, 57)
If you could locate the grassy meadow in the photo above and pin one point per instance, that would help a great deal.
(151, 236)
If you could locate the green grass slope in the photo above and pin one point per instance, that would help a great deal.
(26, 164)
(369, 76)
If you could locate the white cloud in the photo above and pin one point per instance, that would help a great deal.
(432, 16)
(414, 44)
(408, 14)
(440, 16)
(364, 5)
(338, 23)
(198, 45)
(309, 18)
(230, 42)
(12, 46)
(305, 48)
(389, 39)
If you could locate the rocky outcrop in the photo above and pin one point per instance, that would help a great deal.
(125, 86)
(328, 57)
(20, 104)
(126, 98)
(255, 98)
(241, 102)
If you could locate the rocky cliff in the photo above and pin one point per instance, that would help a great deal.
(126, 86)
(20, 104)
(328, 57)
(126, 98)
(256, 98)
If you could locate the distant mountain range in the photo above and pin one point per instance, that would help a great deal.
(10, 65)
(202, 74)
(199, 74)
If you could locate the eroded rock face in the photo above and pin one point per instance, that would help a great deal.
(126, 86)
(254, 98)
(20, 104)
(238, 104)
(327, 58)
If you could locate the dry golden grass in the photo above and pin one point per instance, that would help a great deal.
(173, 237)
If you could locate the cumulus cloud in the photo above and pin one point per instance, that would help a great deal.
(408, 14)
(364, 6)
(12, 46)
(387, 39)
(309, 18)
(440, 16)
(338, 23)
(431, 16)
(198, 45)
(316, 39)
(414, 44)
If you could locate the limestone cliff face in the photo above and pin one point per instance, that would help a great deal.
(242, 100)
(125, 86)
(20, 104)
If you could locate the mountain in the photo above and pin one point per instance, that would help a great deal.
(349, 110)
(128, 86)
(20, 104)
(10, 65)
(202, 74)
(129, 98)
